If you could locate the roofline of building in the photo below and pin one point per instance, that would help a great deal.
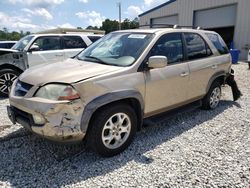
(155, 8)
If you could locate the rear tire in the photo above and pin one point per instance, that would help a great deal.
(7, 77)
(212, 98)
(112, 129)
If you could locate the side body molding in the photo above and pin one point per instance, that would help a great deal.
(98, 102)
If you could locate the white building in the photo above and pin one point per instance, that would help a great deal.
(230, 18)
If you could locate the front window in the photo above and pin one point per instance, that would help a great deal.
(21, 44)
(118, 49)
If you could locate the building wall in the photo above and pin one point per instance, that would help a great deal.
(185, 10)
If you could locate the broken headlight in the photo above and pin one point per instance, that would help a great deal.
(57, 92)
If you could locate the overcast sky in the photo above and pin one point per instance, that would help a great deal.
(36, 15)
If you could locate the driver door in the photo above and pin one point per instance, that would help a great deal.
(48, 50)
(167, 87)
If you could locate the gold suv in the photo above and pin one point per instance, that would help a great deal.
(103, 94)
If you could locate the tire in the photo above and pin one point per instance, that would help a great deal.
(212, 98)
(7, 77)
(105, 130)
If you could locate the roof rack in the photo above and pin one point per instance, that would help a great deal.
(70, 30)
(174, 26)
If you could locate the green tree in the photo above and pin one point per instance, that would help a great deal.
(110, 25)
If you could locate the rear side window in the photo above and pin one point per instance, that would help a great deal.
(218, 43)
(94, 38)
(3, 45)
(73, 42)
(196, 46)
(169, 45)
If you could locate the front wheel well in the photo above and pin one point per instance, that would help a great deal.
(8, 66)
(134, 103)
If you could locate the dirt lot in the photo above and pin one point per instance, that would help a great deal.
(193, 149)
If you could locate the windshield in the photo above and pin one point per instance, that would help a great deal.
(119, 49)
(22, 43)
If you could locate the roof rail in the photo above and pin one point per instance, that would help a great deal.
(161, 25)
(174, 26)
(70, 30)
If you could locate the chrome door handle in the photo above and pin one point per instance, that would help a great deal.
(214, 66)
(184, 74)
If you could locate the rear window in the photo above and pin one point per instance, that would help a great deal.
(94, 38)
(218, 43)
(73, 42)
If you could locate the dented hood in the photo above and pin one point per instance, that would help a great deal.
(69, 71)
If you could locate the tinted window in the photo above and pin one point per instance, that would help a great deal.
(196, 46)
(169, 45)
(2, 45)
(218, 43)
(10, 45)
(48, 43)
(73, 42)
(94, 38)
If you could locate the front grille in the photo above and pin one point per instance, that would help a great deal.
(22, 88)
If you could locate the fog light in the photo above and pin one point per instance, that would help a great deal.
(38, 119)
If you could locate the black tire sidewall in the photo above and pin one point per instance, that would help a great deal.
(206, 100)
(4, 71)
(95, 137)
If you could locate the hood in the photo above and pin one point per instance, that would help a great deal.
(69, 71)
(4, 51)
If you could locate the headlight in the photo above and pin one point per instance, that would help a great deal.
(57, 92)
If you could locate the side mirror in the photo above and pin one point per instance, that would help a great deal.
(34, 47)
(157, 62)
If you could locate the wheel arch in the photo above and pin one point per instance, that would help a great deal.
(9, 66)
(219, 76)
(130, 97)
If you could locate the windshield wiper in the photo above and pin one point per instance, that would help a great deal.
(98, 59)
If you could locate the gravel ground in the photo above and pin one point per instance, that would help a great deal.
(193, 149)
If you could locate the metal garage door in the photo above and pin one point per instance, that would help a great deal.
(165, 20)
(216, 17)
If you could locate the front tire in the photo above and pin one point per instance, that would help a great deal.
(212, 98)
(112, 129)
(7, 77)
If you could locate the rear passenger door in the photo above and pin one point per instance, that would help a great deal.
(73, 45)
(45, 49)
(201, 64)
(167, 87)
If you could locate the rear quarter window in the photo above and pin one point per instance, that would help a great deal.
(71, 42)
(218, 43)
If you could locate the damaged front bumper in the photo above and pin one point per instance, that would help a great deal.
(55, 120)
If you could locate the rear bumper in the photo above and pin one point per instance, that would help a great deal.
(61, 120)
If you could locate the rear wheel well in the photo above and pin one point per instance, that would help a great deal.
(7, 66)
(220, 79)
(134, 103)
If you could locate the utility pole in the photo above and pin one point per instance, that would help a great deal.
(120, 16)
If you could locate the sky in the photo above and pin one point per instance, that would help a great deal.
(37, 15)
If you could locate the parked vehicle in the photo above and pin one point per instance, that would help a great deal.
(104, 94)
(7, 44)
(39, 49)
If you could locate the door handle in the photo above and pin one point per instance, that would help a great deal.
(214, 66)
(184, 74)
(59, 55)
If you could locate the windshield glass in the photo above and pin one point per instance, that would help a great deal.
(119, 49)
(22, 43)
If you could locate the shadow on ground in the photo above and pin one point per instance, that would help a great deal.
(28, 160)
